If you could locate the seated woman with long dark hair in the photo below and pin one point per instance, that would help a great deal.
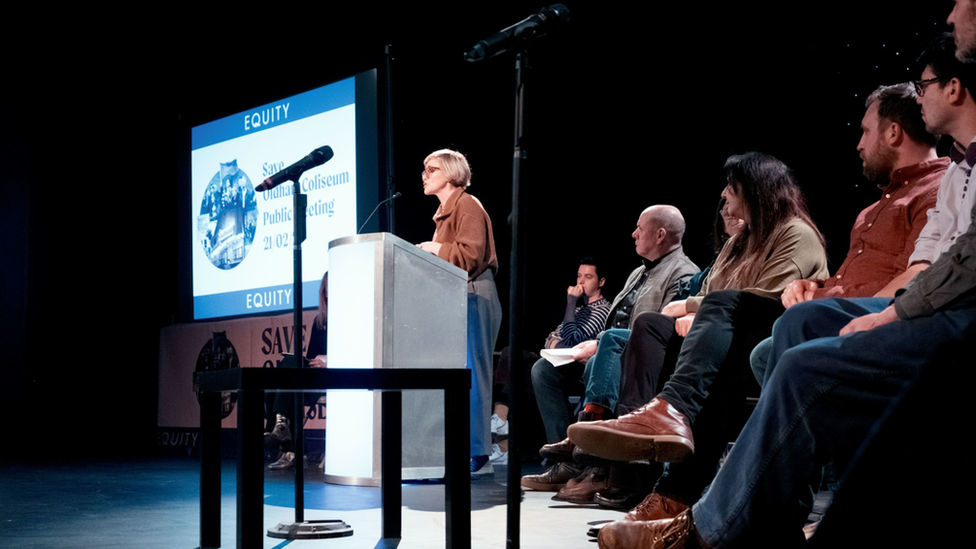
(734, 310)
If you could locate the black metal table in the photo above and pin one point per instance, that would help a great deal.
(252, 383)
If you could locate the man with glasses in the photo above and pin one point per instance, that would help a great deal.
(948, 107)
(899, 156)
(837, 366)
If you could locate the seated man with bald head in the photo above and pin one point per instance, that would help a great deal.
(649, 288)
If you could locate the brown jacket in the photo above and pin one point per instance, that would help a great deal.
(464, 232)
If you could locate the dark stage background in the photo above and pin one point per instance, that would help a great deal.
(629, 107)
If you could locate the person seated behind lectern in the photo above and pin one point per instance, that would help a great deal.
(281, 406)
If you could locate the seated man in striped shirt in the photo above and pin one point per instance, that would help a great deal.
(582, 322)
(584, 317)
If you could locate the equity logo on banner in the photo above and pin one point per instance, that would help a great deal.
(256, 342)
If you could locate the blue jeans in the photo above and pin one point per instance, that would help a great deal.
(759, 357)
(602, 374)
(484, 321)
(821, 397)
(629, 365)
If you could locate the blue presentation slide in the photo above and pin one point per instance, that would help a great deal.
(243, 240)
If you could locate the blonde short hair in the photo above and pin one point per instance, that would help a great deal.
(455, 166)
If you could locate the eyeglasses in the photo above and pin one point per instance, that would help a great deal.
(920, 85)
(429, 172)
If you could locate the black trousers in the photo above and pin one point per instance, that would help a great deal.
(711, 378)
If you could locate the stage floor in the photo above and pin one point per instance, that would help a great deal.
(154, 503)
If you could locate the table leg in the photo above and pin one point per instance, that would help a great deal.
(250, 470)
(391, 443)
(457, 476)
(210, 470)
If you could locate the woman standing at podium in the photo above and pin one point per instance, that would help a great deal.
(463, 237)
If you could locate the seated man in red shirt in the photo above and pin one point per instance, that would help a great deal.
(898, 155)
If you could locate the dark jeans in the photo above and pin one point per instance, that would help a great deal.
(821, 400)
(647, 360)
(553, 386)
(874, 487)
(712, 380)
(502, 390)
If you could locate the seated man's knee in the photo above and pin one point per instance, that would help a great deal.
(796, 318)
(759, 357)
(652, 323)
(614, 336)
(543, 372)
(721, 298)
(794, 367)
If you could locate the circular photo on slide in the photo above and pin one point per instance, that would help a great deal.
(228, 217)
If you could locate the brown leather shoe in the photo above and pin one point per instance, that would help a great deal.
(655, 431)
(558, 451)
(585, 486)
(617, 497)
(676, 533)
(553, 479)
(583, 459)
(629, 483)
(655, 507)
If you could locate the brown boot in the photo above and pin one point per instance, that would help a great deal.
(558, 451)
(655, 507)
(565, 450)
(676, 533)
(553, 479)
(655, 431)
(629, 483)
(585, 486)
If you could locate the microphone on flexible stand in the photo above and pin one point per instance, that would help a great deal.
(396, 195)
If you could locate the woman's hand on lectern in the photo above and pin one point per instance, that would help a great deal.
(320, 361)
(432, 247)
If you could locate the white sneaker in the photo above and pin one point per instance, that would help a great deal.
(497, 456)
(498, 425)
(481, 468)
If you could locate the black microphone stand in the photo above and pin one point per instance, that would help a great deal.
(516, 292)
(302, 529)
(516, 299)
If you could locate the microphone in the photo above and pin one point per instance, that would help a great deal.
(315, 158)
(532, 26)
(395, 195)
